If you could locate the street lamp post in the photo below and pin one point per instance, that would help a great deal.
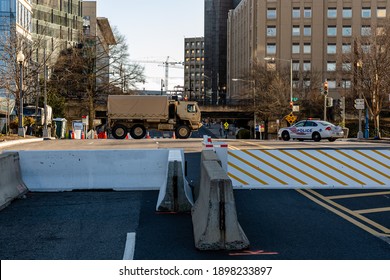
(291, 73)
(254, 102)
(46, 133)
(359, 65)
(20, 60)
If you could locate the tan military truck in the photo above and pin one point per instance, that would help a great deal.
(135, 114)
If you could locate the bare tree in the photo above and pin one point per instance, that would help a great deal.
(371, 68)
(11, 43)
(83, 72)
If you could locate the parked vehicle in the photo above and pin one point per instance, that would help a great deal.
(311, 130)
(138, 113)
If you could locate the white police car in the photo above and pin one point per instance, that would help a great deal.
(311, 130)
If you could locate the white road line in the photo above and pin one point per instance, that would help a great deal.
(129, 246)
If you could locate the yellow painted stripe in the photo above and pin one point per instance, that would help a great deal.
(292, 166)
(357, 195)
(373, 210)
(352, 168)
(339, 213)
(372, 159)
(364, 164)
(274, 167)
(247, 173)
(237, 179)
(331, 167)
(381, 154)
(257, 168)
(314, 168)
(352, 213)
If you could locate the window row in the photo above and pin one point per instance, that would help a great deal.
(297, 12)
(332, 84)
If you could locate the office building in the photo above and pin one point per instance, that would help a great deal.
(307, 35)
(193, 69)
(215, 33)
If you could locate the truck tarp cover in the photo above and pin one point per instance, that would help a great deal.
(137, 106)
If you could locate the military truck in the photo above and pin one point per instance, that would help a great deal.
(136, 114)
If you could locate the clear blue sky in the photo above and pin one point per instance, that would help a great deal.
(154, 30)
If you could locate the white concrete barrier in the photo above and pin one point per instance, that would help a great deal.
(214, 215)
(11, 183)
(310, 168)
(94, 169)
(176, 195)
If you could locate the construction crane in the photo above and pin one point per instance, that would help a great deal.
(167, 64)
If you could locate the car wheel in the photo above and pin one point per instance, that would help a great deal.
(331, 139)
(119, 131)
(285, 135)
(316, 137)
(138, 131)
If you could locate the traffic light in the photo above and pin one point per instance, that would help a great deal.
(326, 87)
(291, 104)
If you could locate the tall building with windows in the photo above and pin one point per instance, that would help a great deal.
(307, 35)
(215, 33)
(194, 69)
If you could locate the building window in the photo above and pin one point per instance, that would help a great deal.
(347, 31)
(332, 30)
(346, 48)
(307, 83)
(271, 13)
(306, 66)
(295, 65)
(307, 48)
(366, 30)
(332, 13)
(271, 49)
(307, 13)
(346, 66)
(381, 12)
(307, 30)
(271, 31)
(366, 13)
(331, 84)
(331, 49)
(366, 48)
(346, 83)
(380, 31)
(347, 13)
(296, 30)
(331, 66)
(296, 13)
(295, 48)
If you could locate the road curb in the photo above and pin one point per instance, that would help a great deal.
(16, 142)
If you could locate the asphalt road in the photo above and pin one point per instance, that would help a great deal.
(280, 224)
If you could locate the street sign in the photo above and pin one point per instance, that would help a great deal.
(295, 108)
(359, 104)
(290, 118)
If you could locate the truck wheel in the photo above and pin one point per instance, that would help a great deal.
(138, 131)
(119, 131)
(183, 132)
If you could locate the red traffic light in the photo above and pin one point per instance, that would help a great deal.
(326, 87)
(291, 104)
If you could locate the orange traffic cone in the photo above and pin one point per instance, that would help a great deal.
(174, 135)
(128, 136)
(105, 135)
(82, 135)
(72, 134)
(147, 135)
(95, 135)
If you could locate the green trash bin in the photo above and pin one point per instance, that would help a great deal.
(60, 127)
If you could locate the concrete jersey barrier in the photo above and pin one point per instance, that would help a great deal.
(214, 215)
(94, 169)
(11, 183)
